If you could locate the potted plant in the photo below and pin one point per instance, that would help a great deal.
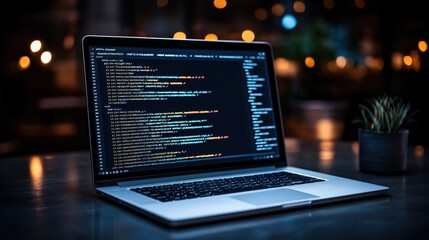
(383, 137)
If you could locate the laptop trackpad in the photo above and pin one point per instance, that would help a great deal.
(274, 196)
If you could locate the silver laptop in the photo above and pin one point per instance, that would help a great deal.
(190, 131)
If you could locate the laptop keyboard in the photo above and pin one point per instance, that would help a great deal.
(205, 188)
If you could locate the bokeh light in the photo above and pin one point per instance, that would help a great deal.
(248, 35)
(220, 4)
(24, 62)
(211, 36)
(277, 9)
(69, 41)
(423, 46)
(46, 57)
(36, 45)
(310, 62)
(408, 60)
(341, 62)
(179, 35)
(289, 21)
(299, 6)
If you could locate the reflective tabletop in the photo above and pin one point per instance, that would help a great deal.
(50, 196)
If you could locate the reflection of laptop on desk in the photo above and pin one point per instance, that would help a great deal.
(189, 131)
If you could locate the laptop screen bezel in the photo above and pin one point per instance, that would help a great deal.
(149, 42)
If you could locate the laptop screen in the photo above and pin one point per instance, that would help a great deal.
(159, 106)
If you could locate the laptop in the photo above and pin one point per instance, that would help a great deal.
(188, 131)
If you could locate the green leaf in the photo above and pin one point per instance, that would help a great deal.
(386, 114)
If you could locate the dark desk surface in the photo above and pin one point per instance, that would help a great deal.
(51, 197)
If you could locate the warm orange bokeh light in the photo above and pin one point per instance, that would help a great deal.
(220, 4)
(325, 130)
(309, 62)
(397, 60)
(408, 60)
(24, 62)
(179, 35)
(423, 46)
(374, 63)
(248, 35)
(285, 68)
(299, 6)
(69, 41)
(341, 62)
(326, 152)
(211, 36)
(277, 9)
(36, 172)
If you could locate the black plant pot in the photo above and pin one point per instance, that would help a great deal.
(383, 153)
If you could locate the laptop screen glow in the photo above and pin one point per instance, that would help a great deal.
(169, 108)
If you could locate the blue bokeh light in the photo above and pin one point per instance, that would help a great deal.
(289, 21)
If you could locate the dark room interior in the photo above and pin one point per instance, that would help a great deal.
(330, 58)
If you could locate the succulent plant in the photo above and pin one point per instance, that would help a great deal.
(386, 114)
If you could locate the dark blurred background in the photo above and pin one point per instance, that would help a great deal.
(330, 55)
